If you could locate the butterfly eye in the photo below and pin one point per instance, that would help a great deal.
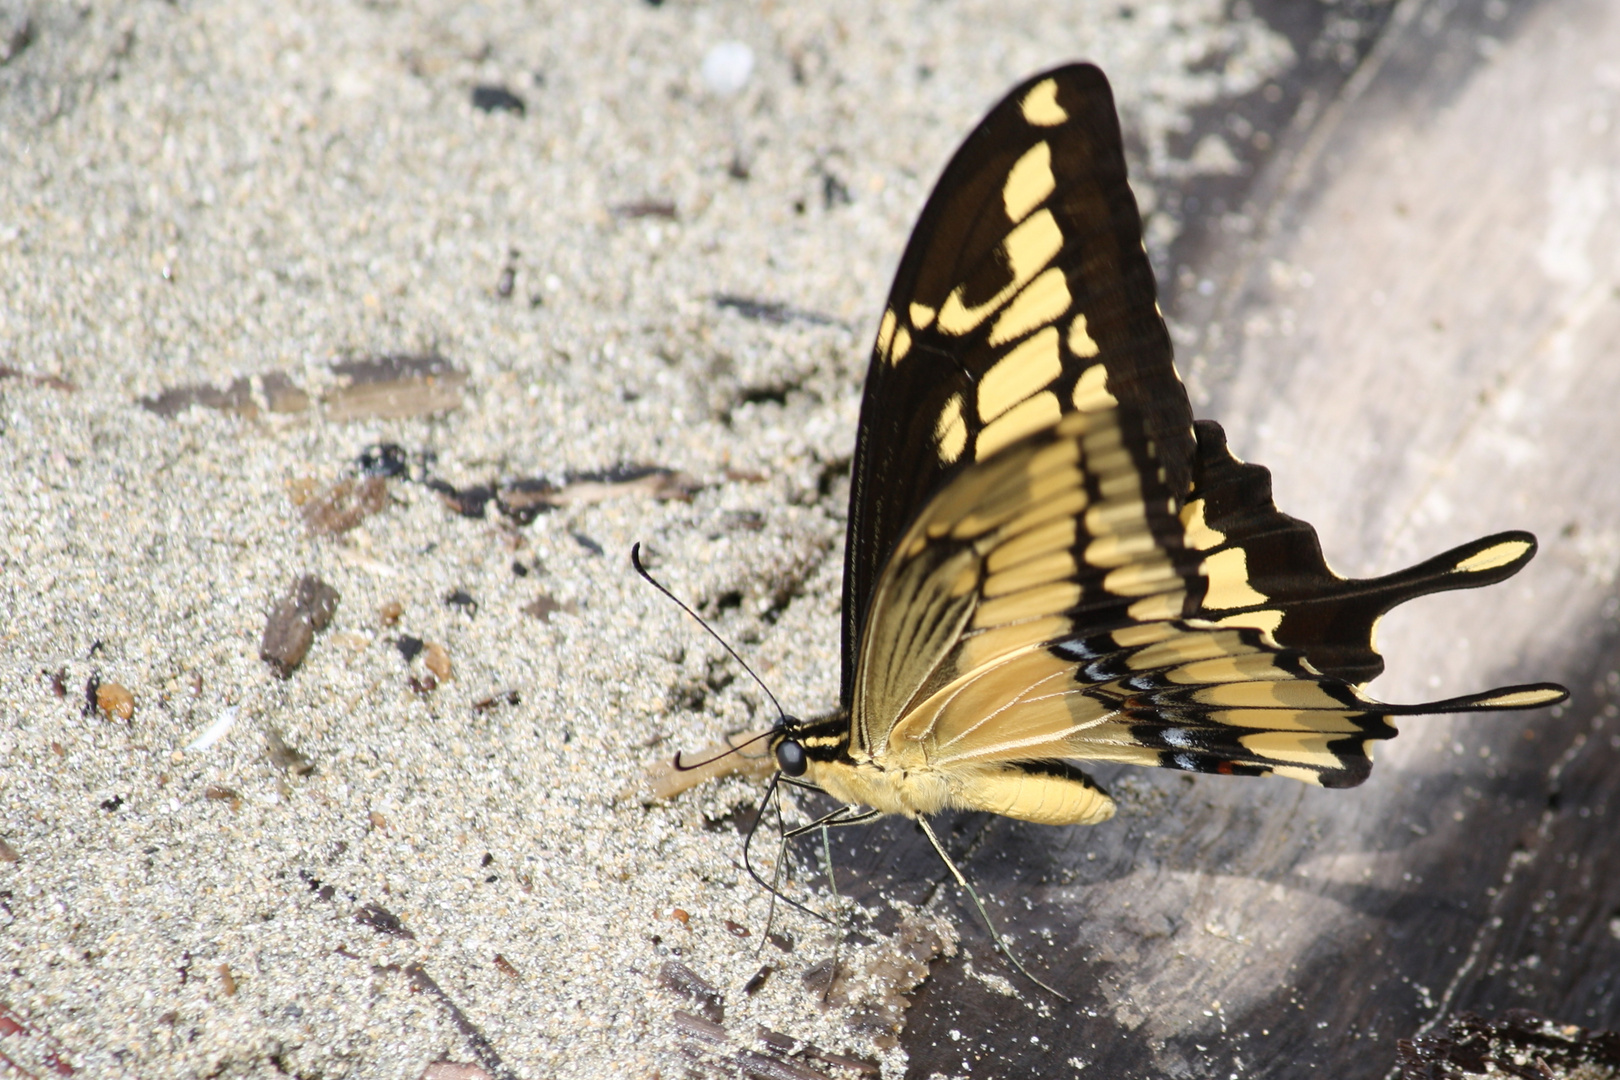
(791, 759)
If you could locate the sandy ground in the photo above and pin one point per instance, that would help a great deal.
(219, 195)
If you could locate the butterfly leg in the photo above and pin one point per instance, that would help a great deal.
(844, 815)
(748, 841)
(961, 880)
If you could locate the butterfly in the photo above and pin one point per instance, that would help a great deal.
(1048, 560)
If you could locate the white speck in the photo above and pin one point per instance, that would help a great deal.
(174, 806)
(1213, 155)
(727, 66)
(215, 731)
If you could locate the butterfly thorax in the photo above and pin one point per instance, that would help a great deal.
(849, 774)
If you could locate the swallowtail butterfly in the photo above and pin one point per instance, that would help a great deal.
(1049, 561)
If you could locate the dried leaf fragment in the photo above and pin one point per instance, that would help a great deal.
(383, 921)
(454, 1070)
(677, 978)
(544, 606)
(285, 757)
(345, 504)
(305, 611)
(395, 386)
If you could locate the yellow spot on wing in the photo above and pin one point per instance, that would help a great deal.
(1158, 608)
(1143, 577)
(1081, 342)
(1046, 298)
(1200, 537)
(1306, 748)
(1029, 182)
(1049, 599)
(1228, 573)
(921, 315)
(1294, 772)
(1040, 106)
(1129, 637)
(1053, 566)
(1032, 366)
(1028, 248)
(1319, 720)
(1224, 669)
(1091, 390)
(1255, 620)
(1290, 694)
(1056, 536)
(993, 643)
(1185, 648)
(1493, 557)
(885, 333)
(1523, 699)
(950, 431)
(902, 345)
(1040, 411)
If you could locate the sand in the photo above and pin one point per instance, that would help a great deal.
(233, 201)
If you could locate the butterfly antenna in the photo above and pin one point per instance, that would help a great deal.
(723, 753)
(635, 560)
(983, 914)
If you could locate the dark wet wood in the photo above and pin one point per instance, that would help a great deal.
(1451, 368)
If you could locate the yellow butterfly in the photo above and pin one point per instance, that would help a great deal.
(1048, 560)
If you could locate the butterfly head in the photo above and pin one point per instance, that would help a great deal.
(791, 757)
(800, 746)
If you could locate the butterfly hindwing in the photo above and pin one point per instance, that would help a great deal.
(1047, 604)
(1024, 294)
(1266, 569)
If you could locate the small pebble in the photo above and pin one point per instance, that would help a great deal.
(115, 701)
(436, 658)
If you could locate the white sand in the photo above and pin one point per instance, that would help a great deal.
(197, 193)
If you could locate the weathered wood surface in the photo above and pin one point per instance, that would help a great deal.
(1415, 322)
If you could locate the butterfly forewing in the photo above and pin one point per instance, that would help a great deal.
(1024, 294)
(1048, 604)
